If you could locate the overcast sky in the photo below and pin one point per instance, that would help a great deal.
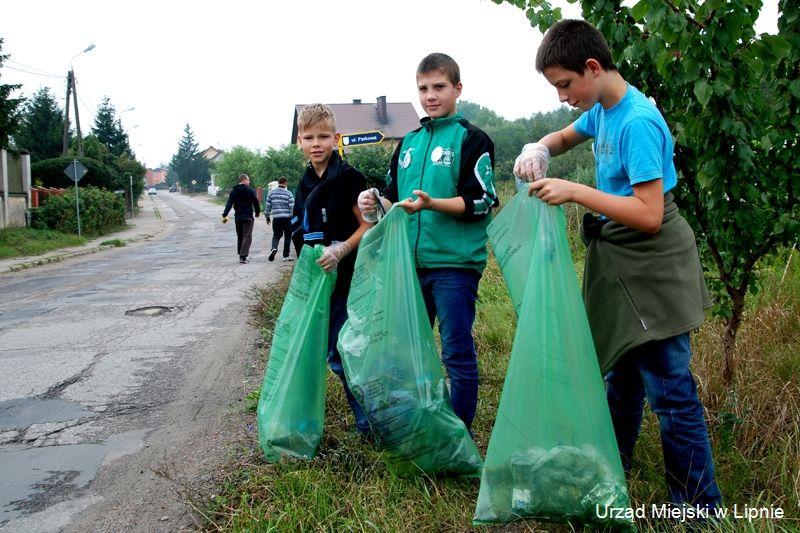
(234, 70)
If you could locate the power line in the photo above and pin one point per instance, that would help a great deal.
(31, 67)
(88, 109)
(33, 73)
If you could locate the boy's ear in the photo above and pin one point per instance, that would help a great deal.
(594, 67)
(337, 136)
(458, 87)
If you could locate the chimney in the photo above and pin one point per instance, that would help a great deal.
(356, 100)
(380, 106)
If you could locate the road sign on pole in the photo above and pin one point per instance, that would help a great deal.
(370, 137)
(356, 139)
(76, 171)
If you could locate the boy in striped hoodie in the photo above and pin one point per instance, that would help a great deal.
(278, 208)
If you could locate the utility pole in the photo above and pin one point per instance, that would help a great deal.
(77, 117)
(133, 212)
(65, 144)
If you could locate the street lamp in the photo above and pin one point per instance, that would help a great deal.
(87, 49)
(72, 88)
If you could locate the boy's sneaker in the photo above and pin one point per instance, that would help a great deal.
(272, 254)
(243, 260)
(285, 259)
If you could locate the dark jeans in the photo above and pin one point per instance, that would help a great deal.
(244, 236)
(450, 294)
(659, 370)
(281, 227)
(337, 320)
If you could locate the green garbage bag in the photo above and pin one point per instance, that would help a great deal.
(392, 364)
(552, 454)
(291, 407)
(512, 243)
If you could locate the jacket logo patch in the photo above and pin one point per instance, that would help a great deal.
(405, 158)
(443, 156)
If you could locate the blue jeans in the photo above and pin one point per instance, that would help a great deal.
(450, 294)
(337, 320)
(659, 370)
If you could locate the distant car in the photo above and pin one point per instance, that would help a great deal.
(152, 191)
(173, 189)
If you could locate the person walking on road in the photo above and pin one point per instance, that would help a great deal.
(278, 206)
(244, 201)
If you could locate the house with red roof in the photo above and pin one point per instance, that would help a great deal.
(392, 119)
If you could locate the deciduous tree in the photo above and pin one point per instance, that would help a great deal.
(731, 98)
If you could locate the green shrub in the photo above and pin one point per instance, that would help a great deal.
(101, 211)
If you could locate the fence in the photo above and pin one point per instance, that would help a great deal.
(40, 194)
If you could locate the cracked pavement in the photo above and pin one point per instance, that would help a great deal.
(94, 399)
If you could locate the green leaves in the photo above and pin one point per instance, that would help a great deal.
(777, 45)
(703, 92)
(640, 10)
(794, 88)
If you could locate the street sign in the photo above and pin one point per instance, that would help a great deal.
(369, 137)
(75, 170)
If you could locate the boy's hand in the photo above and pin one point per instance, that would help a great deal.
(367, 205)
(267, 219)
(531, 164)
(224, 220)
(552, 191)
(423, 201)
(332, 254)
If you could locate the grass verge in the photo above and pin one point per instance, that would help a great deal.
(20, 242)
(755, 433)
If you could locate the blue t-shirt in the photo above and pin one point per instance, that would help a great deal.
(632, 144)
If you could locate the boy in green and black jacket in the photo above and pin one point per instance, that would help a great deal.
(443, 172)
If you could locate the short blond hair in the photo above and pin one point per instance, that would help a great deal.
(314, 114)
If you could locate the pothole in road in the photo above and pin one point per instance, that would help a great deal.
(152, 310)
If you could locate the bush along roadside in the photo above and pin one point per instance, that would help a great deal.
(101, 212)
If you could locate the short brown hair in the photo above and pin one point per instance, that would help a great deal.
(569, 43)
(283, 179)
(243, 177)
(441, 62)
(314, 114)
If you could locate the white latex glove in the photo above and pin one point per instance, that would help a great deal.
(531, 163)
(332, 254)
(368, 206)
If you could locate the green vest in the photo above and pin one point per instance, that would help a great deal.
(430, 159)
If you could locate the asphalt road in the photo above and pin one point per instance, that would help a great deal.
(121, 373)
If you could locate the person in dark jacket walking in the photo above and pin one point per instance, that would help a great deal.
(278, 206)
(244, 201)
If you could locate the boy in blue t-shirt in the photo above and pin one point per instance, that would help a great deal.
(643, 283)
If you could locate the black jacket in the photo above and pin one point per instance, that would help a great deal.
(323, 206)
(323, 211)
(244, 201)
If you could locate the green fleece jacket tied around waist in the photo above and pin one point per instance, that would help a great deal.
(639, 287)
